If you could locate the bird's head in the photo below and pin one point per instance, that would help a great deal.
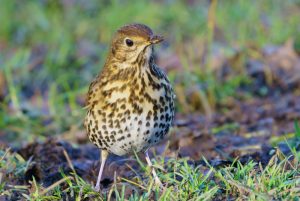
(132, 42)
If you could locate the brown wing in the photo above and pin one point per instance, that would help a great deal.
(94, 93)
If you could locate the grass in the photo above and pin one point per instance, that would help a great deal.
(183, 180)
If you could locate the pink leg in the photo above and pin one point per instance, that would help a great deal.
(104, 155)
(157, 181)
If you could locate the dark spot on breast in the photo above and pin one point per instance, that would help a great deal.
(123, 106)
(107, 139)
(100, 141)
(123, 87)
(167, 117)
(155, 107)
(123, 120)
(161, 125)
(111, 115)
(167, 129)
(140, 111)
(121, 138)
(127, 112)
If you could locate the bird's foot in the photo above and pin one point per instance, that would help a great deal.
(97, 188)
(157, 182)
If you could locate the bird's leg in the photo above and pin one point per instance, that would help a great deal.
(156, 179)
(104, 155)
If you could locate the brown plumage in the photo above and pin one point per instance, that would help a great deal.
(131, 102)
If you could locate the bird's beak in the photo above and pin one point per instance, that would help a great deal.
(156, 39)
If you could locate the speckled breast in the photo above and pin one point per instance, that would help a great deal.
(133, 115)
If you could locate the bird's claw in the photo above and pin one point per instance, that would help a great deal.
(97, 188)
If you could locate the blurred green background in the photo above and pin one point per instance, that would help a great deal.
(50, 50)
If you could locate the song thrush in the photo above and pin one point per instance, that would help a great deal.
(131, 102)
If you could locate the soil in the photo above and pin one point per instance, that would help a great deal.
(253, 124)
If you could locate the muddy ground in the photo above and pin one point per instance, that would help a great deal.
(248, 132)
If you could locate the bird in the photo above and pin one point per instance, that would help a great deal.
(130, 104)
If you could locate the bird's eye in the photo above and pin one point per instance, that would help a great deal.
(129, 42)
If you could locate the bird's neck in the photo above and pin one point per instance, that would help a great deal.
(142, 60)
